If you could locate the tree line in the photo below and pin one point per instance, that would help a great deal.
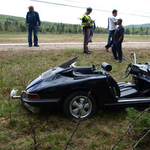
(138, 30)
(10, 25)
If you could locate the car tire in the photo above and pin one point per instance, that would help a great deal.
(77, 102)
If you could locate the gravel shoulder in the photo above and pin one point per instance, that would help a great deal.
(95, 47)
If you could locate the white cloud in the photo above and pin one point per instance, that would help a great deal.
(53, 13)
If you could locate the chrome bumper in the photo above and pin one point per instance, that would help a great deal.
(31, 108)
(16, 97)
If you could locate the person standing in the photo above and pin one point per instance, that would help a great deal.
(109, 36)
(33, 23)
(85, 24)
(112, 25)
(118, 39)
(92, 28)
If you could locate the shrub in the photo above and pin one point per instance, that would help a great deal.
(143, 123)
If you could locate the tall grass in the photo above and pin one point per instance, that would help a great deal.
(53, 129)
(64, 38)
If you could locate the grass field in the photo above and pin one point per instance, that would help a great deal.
(63, 38)
(52, 130)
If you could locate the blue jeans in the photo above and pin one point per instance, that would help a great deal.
(91, 34)
(33, 28)
(117, 50)
(111, 35)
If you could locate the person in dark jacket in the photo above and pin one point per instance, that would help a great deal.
(33, 23)
(118, 39)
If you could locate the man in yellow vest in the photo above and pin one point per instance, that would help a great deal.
(85, 24)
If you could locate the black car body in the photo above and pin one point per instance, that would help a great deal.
(80, 91)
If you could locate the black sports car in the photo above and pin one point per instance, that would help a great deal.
(80, 91)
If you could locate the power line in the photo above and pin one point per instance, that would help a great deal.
(96, 4)
(73, 6)
(58, 4)
(74, 1)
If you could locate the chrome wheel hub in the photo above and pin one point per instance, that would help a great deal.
(80, 105)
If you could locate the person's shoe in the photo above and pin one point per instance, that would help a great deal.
(124, 58)
(106, 49)
(30, 45)
(119, 61)
(90, 41)
(87, 52)
(36, 45)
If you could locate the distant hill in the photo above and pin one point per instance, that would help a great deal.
(138, 25)
(3, 18)
(17, 24)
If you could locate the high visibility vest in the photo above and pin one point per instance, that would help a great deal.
(92, 24)
(87, 19)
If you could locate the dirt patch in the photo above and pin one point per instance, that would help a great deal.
(97, 47)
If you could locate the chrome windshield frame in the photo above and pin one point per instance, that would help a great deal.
(133, 58)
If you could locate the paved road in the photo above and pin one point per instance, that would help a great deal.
(51, 44)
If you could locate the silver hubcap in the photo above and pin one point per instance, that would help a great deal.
(78, 106)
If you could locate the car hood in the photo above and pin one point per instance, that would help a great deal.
(34, 82)
(45, 75)
(52, 72)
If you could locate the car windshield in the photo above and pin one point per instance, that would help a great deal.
(69, 63)
(65, 66)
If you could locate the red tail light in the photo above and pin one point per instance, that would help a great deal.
(32, 96)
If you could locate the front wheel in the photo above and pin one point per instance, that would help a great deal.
(78, 105)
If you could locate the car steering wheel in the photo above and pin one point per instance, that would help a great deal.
(128, 70)
(93, 68)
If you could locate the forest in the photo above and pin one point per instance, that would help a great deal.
(17, 24)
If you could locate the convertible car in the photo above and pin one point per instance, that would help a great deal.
(80, 91)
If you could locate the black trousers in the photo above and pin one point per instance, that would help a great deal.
(86, 34)
(112, 40)
(117, 50)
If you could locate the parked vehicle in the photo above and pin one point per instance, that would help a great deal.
(67, 87)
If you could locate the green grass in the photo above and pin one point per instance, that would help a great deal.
(53, 129)
(64, 38)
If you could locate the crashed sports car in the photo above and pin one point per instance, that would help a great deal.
(80, 91)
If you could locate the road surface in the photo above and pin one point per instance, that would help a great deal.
(95, 46)
(53, 44)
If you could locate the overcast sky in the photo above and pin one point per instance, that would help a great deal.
(56, 13)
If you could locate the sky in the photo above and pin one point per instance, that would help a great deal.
(102, 9)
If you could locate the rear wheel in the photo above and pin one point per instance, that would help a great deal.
(77, 104)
